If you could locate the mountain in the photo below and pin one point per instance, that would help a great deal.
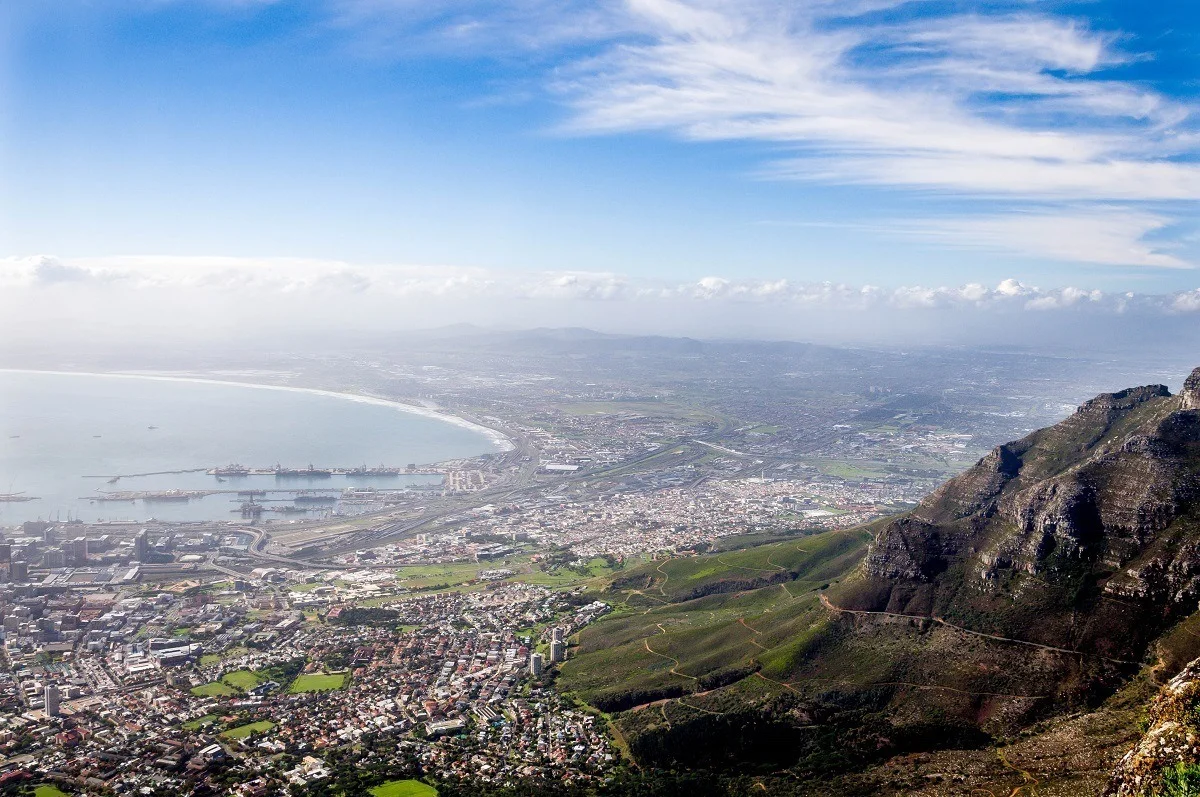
(1084, 535)
(1034, 602)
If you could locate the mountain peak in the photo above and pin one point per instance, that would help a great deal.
(1191, 392)
(1062, 534)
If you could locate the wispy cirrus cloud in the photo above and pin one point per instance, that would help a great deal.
(977, 105)
(1103, 235)
(1007, 101)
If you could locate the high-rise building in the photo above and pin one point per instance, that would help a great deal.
(537, 663)
(5, 552)
(141, 546)
(18, 570)
(79, 551)
(558, 650)
(50, 694)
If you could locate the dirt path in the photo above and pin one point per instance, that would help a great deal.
(1030, 781)
(666, 577)
(926, 686)
(784, 684)
(777, 568)
(662, 700)
(829, 605)
(674, 661)
(757, 634)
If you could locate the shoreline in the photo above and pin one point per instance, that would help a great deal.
(499, 440)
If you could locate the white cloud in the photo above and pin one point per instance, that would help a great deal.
(1011, 99)
(345, 284)
(1103, 235)
(1186, 302)
(1023, 42)
(755, 71)
(149, 301)
(1001, 105)
(574, 285)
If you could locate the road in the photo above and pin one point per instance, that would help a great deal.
(830, 605)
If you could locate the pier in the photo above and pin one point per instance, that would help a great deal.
(361, 472)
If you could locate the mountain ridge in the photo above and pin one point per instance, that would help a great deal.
(1059, 574)
(1101, 502)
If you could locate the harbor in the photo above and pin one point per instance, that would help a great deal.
(296, 495)
(279, 471)
(102, 438)
(253, 504)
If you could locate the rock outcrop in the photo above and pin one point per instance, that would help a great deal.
(1041, 538)
(1190, 395)
(1171, 740)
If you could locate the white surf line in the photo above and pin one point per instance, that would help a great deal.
(496, 437)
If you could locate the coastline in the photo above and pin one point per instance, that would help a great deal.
(498, 439)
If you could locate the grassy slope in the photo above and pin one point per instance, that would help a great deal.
(687, 625)
(726, 665)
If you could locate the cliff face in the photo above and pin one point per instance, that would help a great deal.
(1085, 533)
(1169, 750)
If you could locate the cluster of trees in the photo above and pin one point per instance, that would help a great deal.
(367, 615)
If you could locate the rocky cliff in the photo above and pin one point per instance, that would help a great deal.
(1083, 535)
(1169, 751)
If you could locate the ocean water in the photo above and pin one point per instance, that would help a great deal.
(64, 436)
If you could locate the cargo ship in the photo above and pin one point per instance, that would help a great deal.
(372, 473)
(229, 470)
(302, 473)
(168, 495)
(289, 510)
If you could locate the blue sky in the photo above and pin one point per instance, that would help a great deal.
(650, 142)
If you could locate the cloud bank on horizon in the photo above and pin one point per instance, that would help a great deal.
(197, 297)
(278, 278)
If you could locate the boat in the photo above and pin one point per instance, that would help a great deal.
(169, 495)
(316, 499)
(302, 473)
(229, 470)
(382, 472)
